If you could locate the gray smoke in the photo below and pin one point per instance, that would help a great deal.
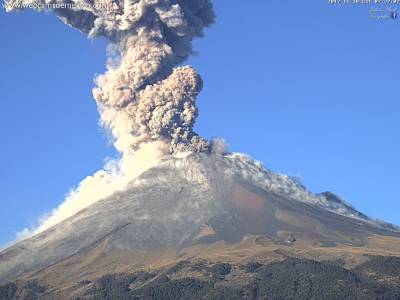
(143, 96)
(144, 99)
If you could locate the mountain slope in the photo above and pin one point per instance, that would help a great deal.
(200, 206)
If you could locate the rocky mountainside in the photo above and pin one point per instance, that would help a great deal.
(208, 208)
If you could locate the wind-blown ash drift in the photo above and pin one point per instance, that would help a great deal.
(144, 99)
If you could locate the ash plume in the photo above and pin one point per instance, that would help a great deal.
(142, 97)
(145, 99)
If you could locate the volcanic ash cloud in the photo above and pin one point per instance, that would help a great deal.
(143, 98)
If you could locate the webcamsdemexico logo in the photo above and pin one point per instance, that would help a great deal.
(8, 6)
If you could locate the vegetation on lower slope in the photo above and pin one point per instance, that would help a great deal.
(381, 266)
(27, 291)
(288, 279)
(305, 279)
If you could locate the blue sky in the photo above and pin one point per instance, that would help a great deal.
(308, 88)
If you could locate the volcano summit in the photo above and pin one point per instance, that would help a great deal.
(177, 216)
(199, 208)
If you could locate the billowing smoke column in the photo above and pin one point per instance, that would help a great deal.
(144, 100)
(142, 97)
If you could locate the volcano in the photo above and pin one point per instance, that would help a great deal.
(208, 208)
(196, 224)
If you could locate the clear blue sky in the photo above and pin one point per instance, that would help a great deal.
(308, 88)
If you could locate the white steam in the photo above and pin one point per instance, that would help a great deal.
(115, 176)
